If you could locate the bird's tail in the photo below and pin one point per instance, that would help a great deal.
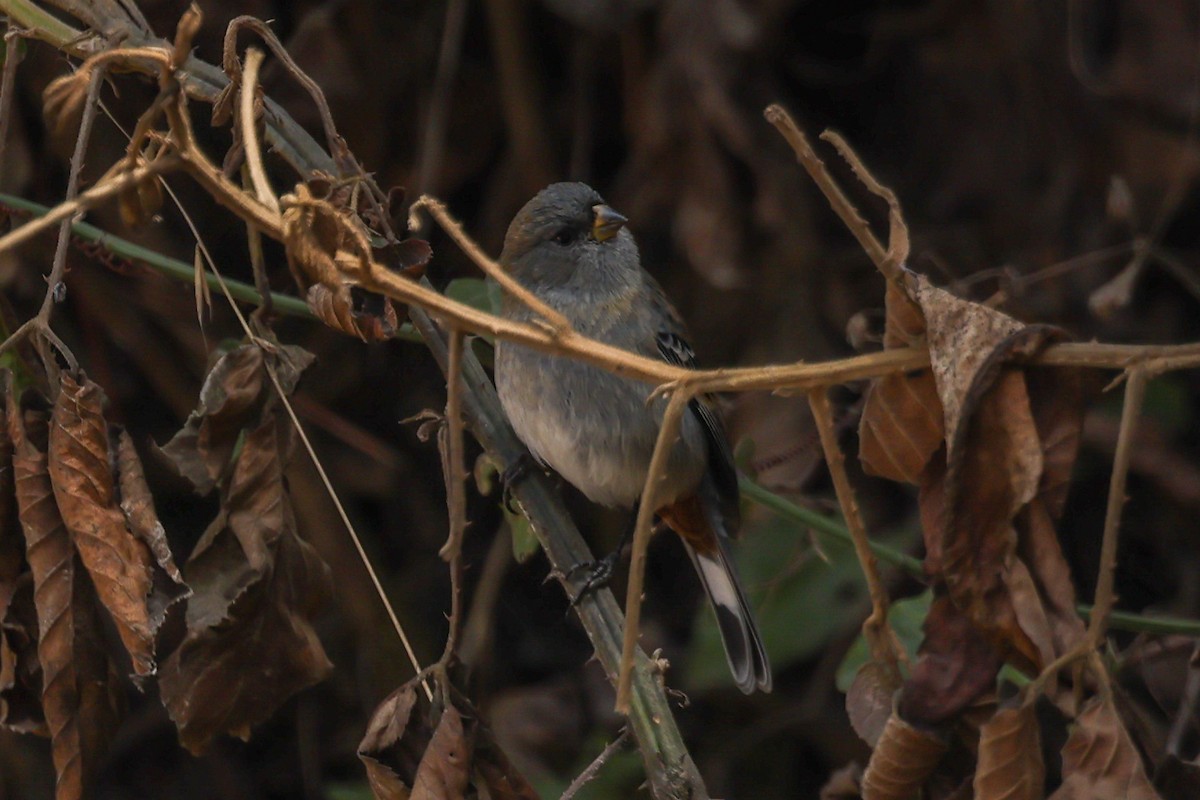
(739, 632)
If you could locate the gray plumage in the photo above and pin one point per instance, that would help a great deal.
(595, 428)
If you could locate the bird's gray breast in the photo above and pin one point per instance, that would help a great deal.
(592, 427)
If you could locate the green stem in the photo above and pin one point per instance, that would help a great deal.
(833, 528)
(174, 268)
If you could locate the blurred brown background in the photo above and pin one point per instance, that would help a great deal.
(1035, 147)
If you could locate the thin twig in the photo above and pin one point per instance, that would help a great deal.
(1135, 393)
(886, 650)
(837, 199)
(456, 484)
(898, 246)
(12, 58)
(585, 777)
(557, 322)
(443, 84)
(258, 174)
(93, 197)
(59, 265)
(667, 435)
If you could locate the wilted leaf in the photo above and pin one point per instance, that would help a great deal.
(81, 694)
(956, 665)
(138, 507)
(902, 760)
(962, 339)
(1100, 760)
(20, 670)
(903, 423)
(336, 307)
(231, 399)
(12, 554)
(446, 765)
(407, 753)
(84, 488)
(901, 426)
(1010, 756)
(63, 99)
(869, 701)
(392, 726)
(250, 643)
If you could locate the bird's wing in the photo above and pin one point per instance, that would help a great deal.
(673, 347)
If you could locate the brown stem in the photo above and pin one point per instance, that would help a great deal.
(885, 648)
(641, 539)
(1135, 393)
(456, 484)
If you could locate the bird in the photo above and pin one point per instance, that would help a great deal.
(576, 254)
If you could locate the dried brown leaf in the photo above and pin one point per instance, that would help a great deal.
(392, 725)
(81, 695)
(63, 100)
(962, 339)
(904, 757)
(1100, 760)
(250, 643)
(84, 488)
(12, 551)
(956, 664)
(138, 505)
(869, 701)
(20, 670)
(230, 398)
(903, 422)
(446, 765)
(1010, 756)
(337, 309)
(901, 426)
(405, 752)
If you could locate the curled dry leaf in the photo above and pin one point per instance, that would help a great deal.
(991, 446)
(1100, 760)
(955, 665)
(80, 471)
(904, 757)
(138, 506)
(335, 307)
(20, 670)
(139, 203)
(12, 555)
(81, 694)
(446, 765)
(408, 754)
(62, 102)
(1010, 756)
(869, 701)
(229, 399)
(329, 250)
(902, 423)
(250, 643)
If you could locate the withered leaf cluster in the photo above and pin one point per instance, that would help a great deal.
(414, 748)
(89, 587)
(990, 441)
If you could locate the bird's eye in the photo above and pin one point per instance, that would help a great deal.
(565, 236)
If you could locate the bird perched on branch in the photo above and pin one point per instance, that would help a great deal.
(596, 429)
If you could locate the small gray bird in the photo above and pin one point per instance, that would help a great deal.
(595, 428)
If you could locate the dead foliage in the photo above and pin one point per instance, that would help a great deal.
(981, 413)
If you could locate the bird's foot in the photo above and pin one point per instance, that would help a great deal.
(513, 474)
